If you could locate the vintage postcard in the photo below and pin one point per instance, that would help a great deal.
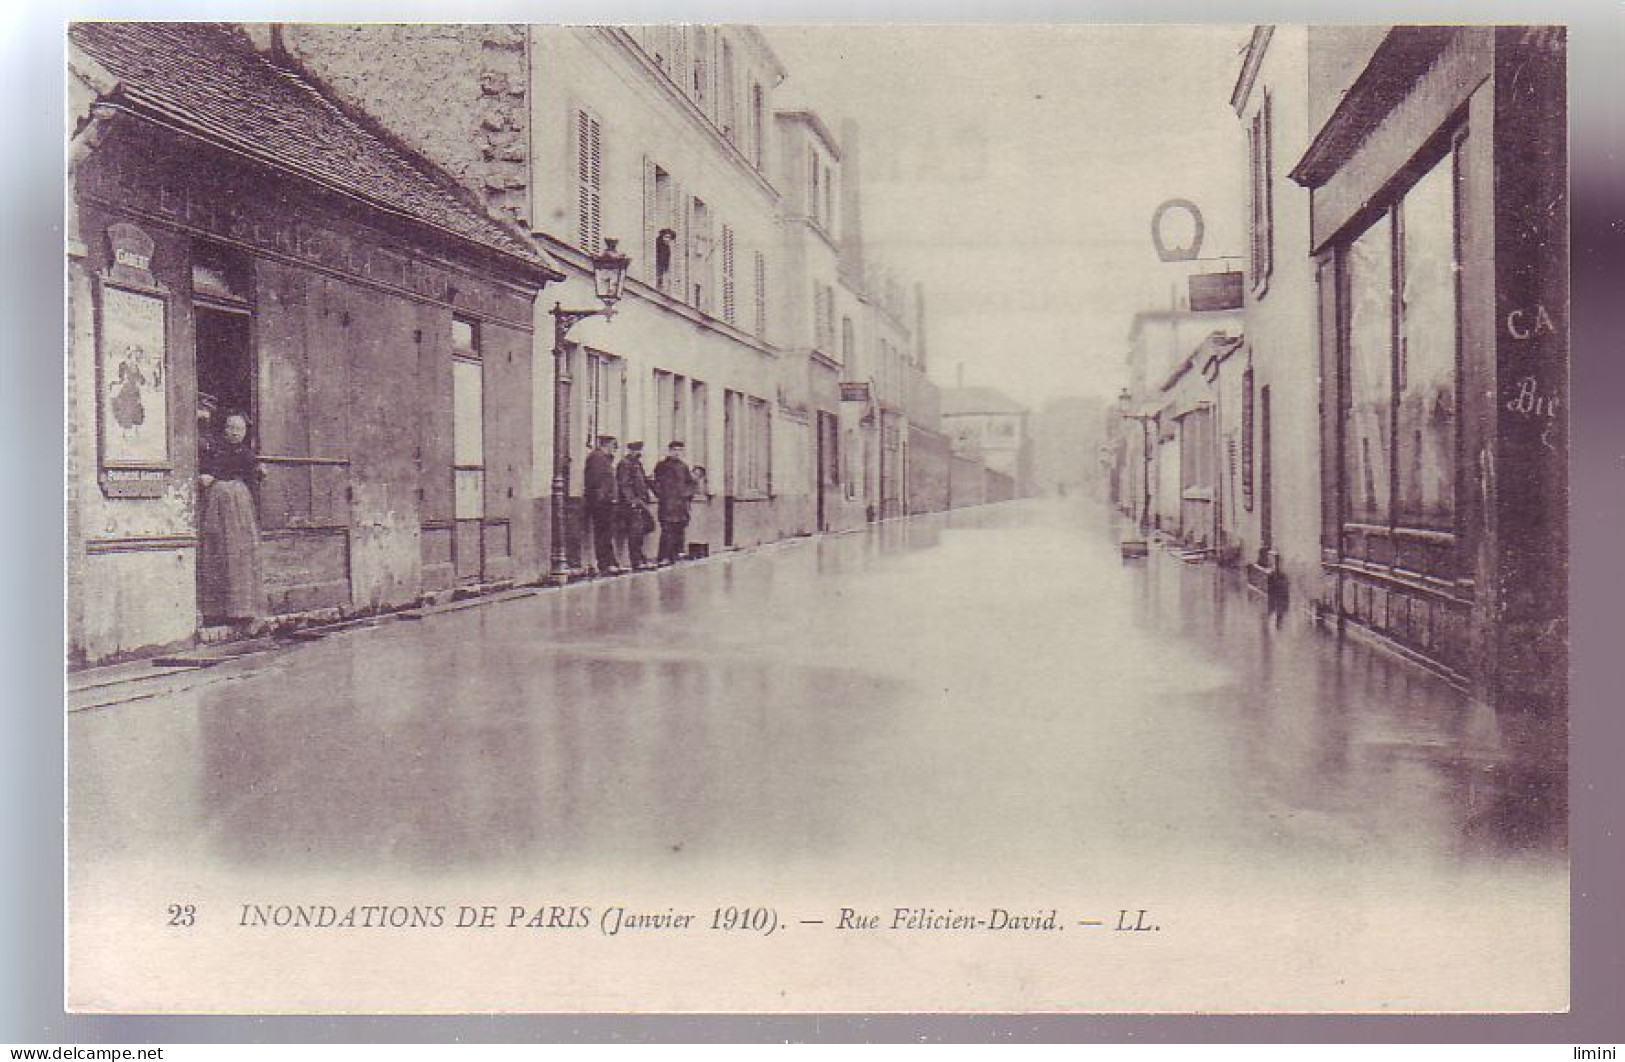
(781, 519)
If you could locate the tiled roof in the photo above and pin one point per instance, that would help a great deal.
(207, 79)
(963, 400)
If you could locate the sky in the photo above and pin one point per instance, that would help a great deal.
(1014, 170)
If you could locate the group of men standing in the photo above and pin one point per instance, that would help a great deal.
(618, 497)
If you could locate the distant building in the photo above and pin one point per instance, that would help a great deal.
(989, 425)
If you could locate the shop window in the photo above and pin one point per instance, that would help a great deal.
(1400, 358)
(1425, 435)
(1369, 413)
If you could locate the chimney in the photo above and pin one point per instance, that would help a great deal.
(266, 37)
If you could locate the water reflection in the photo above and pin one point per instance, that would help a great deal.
(996, 687)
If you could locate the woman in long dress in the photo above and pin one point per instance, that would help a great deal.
(231, 583)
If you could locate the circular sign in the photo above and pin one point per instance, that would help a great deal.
(1160, 218)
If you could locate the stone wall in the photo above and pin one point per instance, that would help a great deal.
(454, 93)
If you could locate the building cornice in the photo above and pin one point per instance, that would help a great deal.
(576, 260)
(819, 129)
(1404, 55)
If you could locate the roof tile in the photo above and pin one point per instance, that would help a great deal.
(209, 80)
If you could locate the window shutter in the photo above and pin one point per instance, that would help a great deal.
(589, 181)
(761, 295)
(728, 308)
(683, 253)
(651, 222)
(1267, 189)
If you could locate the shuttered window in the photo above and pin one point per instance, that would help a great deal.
(729, 310)
(1261, 227)
(589, 182)
(814, 195)
(761, 295)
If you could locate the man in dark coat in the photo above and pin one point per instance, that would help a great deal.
(633, 484)
(674, 486)
(600, 495)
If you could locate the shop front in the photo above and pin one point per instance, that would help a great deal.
(1440, 237)
(378, 364)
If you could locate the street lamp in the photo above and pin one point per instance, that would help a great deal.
(608, 275)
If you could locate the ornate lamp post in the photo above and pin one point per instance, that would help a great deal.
(608, 274)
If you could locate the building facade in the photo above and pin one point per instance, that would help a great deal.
(1272, 384)
(238, 244)
(989, 427)
(1437, 181)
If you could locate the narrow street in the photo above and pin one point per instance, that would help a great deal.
(984, 702)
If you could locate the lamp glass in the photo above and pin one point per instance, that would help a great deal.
(609, 272)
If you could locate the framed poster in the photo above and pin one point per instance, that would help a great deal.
(132, 382)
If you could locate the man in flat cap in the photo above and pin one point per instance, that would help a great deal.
(600, 495)
(674, 486)
(636, 523)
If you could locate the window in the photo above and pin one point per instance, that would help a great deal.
(604, 398)
(829, 200)
(1261, 209)
(1369, 266)
(699, 420)
(700, 78)
(814, 194)
(468, 421)
(729, 310)
(761, 296)
(730, 103)
(824, 318)
(757, 127)
(1425, 434)
(671, 409)
(1400, 359)
(702, 271)
(589, 182)
(848, 341)
(758, 473)
(661, 240)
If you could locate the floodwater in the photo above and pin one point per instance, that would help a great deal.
(986, 706)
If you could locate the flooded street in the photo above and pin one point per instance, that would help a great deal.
(984, 707)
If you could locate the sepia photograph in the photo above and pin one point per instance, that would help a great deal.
(719, 518)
